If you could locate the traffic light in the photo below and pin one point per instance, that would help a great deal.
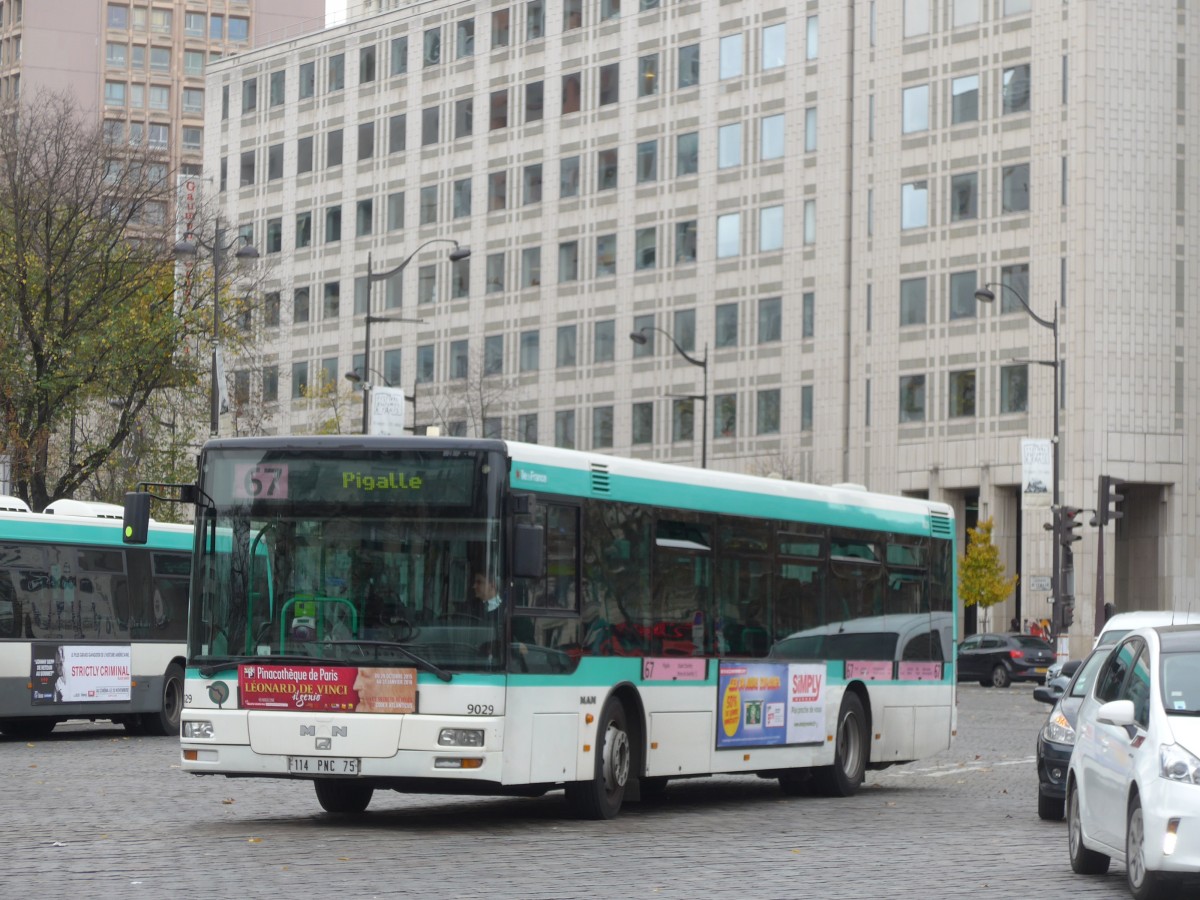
(1108, 499)
(1067, 519)
(1066, 613)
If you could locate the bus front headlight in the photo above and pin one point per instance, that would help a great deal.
(460, 737)
(197, 729)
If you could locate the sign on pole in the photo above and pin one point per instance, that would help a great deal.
(387, 411)
(1038, 583)
(1036, 473)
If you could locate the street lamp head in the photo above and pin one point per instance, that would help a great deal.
(247, 251)
(638, 337)
(185, 247)
(353, 376)
(985, 295)
(459, 253)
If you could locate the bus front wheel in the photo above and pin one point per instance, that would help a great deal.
(340, 796)
(601, 797)
(166, 720)
(846, 775)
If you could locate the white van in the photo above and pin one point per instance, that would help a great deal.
(1122, 623)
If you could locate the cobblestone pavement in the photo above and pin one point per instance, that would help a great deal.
(91, 813)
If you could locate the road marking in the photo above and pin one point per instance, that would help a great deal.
(953, 768)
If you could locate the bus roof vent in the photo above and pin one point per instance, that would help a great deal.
(86, 508)
(600, 483)
(13, 504)
(940, 525)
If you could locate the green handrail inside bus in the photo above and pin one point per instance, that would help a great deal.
(309, 605)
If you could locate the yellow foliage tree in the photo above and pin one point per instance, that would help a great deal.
(981, 580)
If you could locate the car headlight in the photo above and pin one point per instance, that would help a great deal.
(1058, 729)
(1177, 764)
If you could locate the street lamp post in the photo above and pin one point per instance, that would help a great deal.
(456, 254)
(987, 295)
(217, 249)
(639, 337)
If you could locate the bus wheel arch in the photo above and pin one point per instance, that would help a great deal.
(851, 746)
(165, 721)
(617, 757)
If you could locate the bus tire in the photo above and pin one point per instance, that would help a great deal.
(166, 720)
(337, 795)
(28, 728)
(601, 797)
(846, 775)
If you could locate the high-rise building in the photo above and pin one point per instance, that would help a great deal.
(139, 65)
(795, 204)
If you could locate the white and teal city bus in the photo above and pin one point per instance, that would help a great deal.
(90, 628)
(637, 631)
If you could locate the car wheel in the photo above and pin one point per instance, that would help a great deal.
(1083, 860)
(1050, 808)
(1143, 884)
(1000, 677)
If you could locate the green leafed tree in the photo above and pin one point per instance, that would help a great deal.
(981, 580)
(93, 331)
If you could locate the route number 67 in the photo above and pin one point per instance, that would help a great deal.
(260, 481)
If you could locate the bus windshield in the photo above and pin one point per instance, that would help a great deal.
(364, 557)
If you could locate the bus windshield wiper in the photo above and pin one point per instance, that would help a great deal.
(391, 645)
(224, 662)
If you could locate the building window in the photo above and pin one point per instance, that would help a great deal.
(642, 424)
(771, 137)
(572, 14)
(564, 429)
(425, 363)
(964, 196)
(729, 235)
(729, 145)
(689, 66)
(602, 427)
(464, 38)
(914, 204)
(606, 255)
(433, 47)
(332, 300)
(364, 214)
(366, 140)
(647, 161)
(427, 212)
(962, 295)
(300, 305)
(493, 354)
(729, 59)
(532, 184)
(1016, 89)
(648, 75)
(609, 9)
(610, 84)
(527, 428)
(687, 155)
(916, 109)
(964, 99)
(535, 101)
(726, 326)
(427, 284)
(399, 56)
(770, 229)
(685, 242)
(303, 229)
(1015, 180)
(498, 110)
(606, 169)
(810, 222)
(462, 198)
(725, 416)
(397, 133)
(535, 19)
(568, 177)
(645, 248)
(531, 267)
(460, 279)
(193, 139)
(333, 148)
(337, 72)
(1016, 277)
(299, 380)
(774, 46)
(1014, 388)
(604, 341)
(770, 320)
(568, 261)
(812, 33)
(962, 394)
(912, 398)
(808, 314)
(395, 211)
(966, 12)
(810, 129)
(459, 360)
(529, 351)
(333, 224)
(768, 412)
(430, 119)
(572, 91)
(501, 30)
(912, 301)
(494, 274)
(683, 420)
(308, 80)
(565, 347)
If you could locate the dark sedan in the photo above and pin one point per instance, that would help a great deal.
(997, 660)
(1057, 736)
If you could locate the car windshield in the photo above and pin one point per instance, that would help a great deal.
(1181, 683)
(1087, 674)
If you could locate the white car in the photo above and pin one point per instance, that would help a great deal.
(1133, 787)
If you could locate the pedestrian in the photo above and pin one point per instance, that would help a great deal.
(1014, 625)
(1036, 629)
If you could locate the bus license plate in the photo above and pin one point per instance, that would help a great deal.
(323, 765)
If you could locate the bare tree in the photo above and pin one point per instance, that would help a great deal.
(476, 400)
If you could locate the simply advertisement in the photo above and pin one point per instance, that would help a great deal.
(770, 704)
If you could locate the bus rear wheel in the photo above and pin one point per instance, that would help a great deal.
(846, 775)
(339, 796)
(166, 720)
(601, 797)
